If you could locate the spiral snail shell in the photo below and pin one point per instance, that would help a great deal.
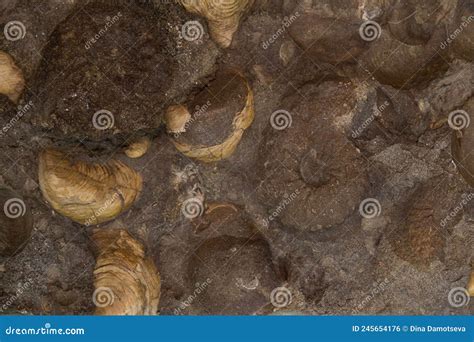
(12, 82)
(223, 16)
(15, 222)
(88, 193)
(126, 281)
(222, 112)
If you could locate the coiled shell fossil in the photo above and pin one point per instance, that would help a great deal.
(321, 191)
(223, 16)
(11, 78)
(126, 281)
(222, 113)
(88, 193)
(15, 222)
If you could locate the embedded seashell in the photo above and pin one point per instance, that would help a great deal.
(413, 22)
(176, 118)
(15, 222)
(312, 172)
(221, 114)
(223, 16)
(78, 99)
(126, 281)
(462, 140)
(470, 286)
(328, 40)
(416, 237)
(88, 193)
(402, 65)
(227, 236)
(138, 148)
(12, 82)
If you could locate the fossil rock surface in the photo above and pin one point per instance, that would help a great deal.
(351, 179)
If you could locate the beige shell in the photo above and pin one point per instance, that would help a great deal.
(470, 286)
(126, 282)
(12, 82)
(223, 16)
(242, 121)
(176, 117)
(138, 148)
(87, 193)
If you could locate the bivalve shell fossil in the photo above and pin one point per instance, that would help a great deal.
(88, 193)
(223, 16)
(11, 78)
(223, 111)
(138, 147)
(126, 281)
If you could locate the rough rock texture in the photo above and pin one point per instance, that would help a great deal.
(341, 198)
